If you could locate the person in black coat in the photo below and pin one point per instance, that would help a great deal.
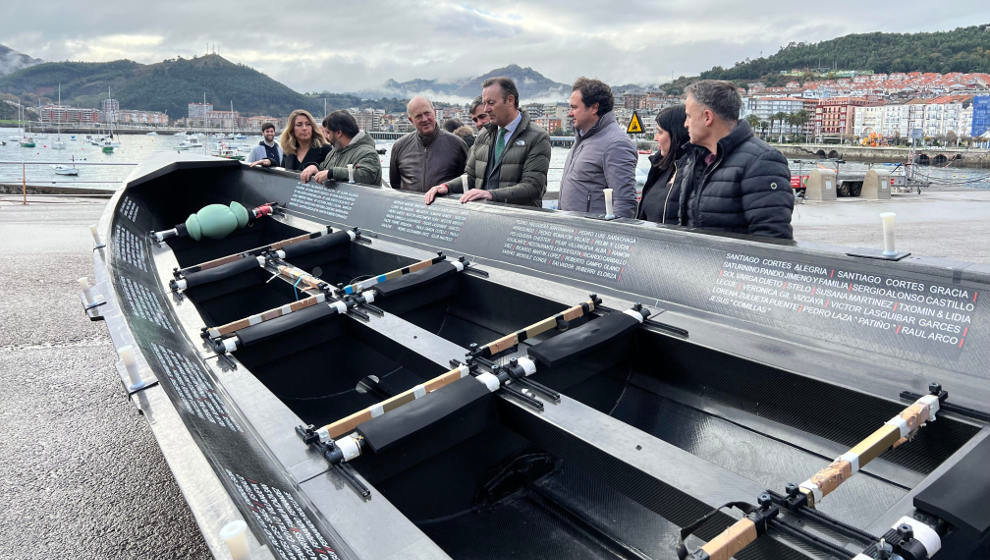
(661, 193)
(302, 142)
(730, 180)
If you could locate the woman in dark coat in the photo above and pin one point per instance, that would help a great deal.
(302, 142)
(661, 192)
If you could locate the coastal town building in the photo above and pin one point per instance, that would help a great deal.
(109, 109)
(549, 124)
(835, 117)
(63, 114)
(868, 120)
(766, 108)
(367, 119)
(227, 120)
(130, 116)
(981, 116)
(255, 122)
(197, 113)
(110, 106)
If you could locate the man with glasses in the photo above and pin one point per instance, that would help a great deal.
(510, 157)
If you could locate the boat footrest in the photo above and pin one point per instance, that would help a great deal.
(417, 279)
(285, 323)
(444, 417)
(214, 274)
(321, 243)
(581, 340)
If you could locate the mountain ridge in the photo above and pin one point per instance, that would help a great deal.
(171, 84)
(12, 61)
(532, 85)
(168, 86)
(963, 49)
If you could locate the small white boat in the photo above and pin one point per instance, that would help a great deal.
(65, 170)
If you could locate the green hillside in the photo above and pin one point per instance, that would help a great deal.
(966, 49)
(169, 86)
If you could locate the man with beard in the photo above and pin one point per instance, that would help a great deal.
(267, 153)
(350, 147)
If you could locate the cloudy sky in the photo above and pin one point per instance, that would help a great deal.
(340, 46)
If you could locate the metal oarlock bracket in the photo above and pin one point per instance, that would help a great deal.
(329, 450)
(523, 396)
(519, 376)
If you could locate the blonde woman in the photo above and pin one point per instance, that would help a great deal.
(302, 142)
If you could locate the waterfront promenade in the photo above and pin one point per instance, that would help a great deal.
(83, 474)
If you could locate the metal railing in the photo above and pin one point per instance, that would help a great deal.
(56, 182)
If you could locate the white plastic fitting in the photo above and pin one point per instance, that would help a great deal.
(922, 533)
(350, 447)
(609, 209)
(129, 358)
(887, 219)
(528, 365)
(234, 535)
(96, 236)
(84, 285)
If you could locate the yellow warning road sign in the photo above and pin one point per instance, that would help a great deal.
(635, 125)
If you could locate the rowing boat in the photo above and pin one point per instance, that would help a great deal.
(349, 373)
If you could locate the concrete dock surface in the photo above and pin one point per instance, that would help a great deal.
(948, 223)
(83, 475)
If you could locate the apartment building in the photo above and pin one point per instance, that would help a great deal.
(68, 115)
(131, 116)
(835, 116)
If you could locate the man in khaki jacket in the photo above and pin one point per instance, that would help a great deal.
(510, 157)
(350, 147)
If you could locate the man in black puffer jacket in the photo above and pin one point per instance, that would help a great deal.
(730, 180)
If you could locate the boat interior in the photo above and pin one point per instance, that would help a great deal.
(496, 478)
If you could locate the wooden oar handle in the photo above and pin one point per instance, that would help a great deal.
(894, 432)
(286, 242)
(730, 541)
(267, 315)
(309, 281)
(540, 327)
(348, 423)
(392, 274)
(238, 256)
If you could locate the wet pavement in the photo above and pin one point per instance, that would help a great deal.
(83, 475)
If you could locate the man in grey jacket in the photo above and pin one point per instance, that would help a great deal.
(427, 156)
(602, 156)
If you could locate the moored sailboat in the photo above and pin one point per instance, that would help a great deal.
(58, 144)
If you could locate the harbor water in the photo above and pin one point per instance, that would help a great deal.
(135, 148)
